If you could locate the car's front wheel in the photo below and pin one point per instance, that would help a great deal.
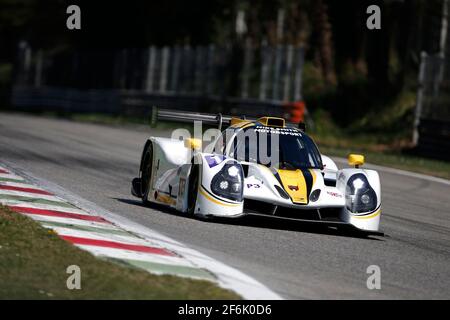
(146, 173)
(193, 188)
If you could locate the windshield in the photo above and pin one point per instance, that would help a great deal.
(285, 148)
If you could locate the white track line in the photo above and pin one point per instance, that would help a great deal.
(43, 206)
(131, 239)
(75, 222)
(138, 256)
(20, 185)
(31, 195)
(11, 176)
(227, 277)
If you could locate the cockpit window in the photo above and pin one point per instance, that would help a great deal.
(284, 148)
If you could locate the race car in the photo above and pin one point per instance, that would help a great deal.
(236, 178)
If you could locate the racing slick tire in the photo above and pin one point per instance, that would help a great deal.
(193, 189)
(146, 173)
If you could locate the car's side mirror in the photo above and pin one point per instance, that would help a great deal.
(355, 160)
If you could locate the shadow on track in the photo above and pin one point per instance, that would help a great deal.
(265, 222)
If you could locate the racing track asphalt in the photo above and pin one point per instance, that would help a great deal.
(296, 260)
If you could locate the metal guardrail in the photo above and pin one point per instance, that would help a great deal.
(240, 70)
(434, 138)
(431, 132)
(135, 103)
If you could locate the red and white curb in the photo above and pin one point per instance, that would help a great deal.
(113, 237)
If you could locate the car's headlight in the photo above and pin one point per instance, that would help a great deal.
(359, 195)
(228, 182)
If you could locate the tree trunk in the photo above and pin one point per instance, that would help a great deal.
(324, 45)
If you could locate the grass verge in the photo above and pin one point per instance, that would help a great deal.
(379, 142)
(405, 162)
(392, 155)
(33, 263)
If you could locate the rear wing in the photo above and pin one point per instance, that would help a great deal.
(218, 119)
(188, 116)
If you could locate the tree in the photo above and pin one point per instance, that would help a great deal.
(322, 36)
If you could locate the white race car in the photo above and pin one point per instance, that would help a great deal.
(233, 180)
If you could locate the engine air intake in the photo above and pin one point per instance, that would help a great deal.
(272, 122)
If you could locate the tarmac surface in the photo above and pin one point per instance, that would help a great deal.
(296, 260)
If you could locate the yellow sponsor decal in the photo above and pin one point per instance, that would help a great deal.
(240, 123)
(247, 125)
(294, 184)
(216, 201)
(313, 174)
(372, 215)
(165, 199)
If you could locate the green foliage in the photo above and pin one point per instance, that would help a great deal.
(5, 74)
(390, 158)
(388, 124)
(396, 117)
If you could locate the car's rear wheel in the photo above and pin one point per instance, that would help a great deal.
(146, 173)
(193, 188)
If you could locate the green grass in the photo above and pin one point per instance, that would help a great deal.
(383, 135)
(33, 263)
(400, 161)
(333, 141)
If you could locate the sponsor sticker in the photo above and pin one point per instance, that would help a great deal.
(334, 194)
(214, 160)
(282, 131)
